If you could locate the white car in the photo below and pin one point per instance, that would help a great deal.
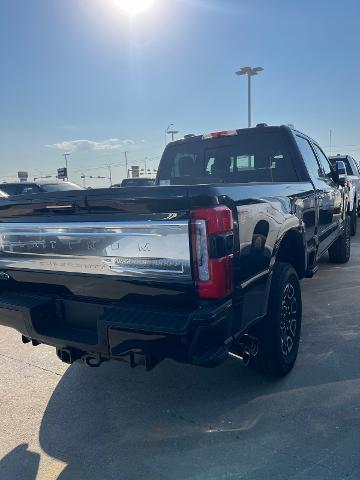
(353, 173)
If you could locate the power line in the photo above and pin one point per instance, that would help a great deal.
(118, 164)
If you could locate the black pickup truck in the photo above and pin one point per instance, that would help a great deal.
(205, 263)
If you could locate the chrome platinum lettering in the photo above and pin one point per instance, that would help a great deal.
(130, 249)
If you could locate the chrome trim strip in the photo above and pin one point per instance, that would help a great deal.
(254, 278)
(54, 207)
(73, 234)
(146, 271)
(97, 225)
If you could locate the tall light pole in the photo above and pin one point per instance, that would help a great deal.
(167, 131)
(126, 164)
(250, 72)
(83, 177)
(66, 155)
(110, 174)
(171, 132)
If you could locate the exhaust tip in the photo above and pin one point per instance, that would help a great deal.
(68, 355)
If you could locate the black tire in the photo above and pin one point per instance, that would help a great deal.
(339, 252)
(279, 332)
(353, 217)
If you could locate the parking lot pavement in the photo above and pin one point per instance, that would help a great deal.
(181, 422)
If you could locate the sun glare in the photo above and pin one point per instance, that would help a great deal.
(134, 6)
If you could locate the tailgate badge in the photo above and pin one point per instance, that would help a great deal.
(4, 276)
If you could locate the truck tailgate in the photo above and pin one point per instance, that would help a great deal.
(118, 245)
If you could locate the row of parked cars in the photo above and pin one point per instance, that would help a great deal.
(353, 185)
(205, 263)
(23, 188)
(20, 188)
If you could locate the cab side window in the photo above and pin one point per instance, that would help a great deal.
(324, 162)
(309, 157)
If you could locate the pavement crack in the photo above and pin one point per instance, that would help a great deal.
(31, 364)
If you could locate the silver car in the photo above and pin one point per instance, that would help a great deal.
(353, 173)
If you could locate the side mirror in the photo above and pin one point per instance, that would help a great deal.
(341, 172)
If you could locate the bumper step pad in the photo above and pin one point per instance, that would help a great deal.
(147, 319)
(19, 310)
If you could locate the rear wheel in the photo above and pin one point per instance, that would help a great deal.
(279, 332)
(339, 252)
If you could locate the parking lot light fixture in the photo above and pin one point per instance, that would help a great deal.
(250, 72)
(170, 131)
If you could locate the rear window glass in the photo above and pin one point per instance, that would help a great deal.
(137, 182)
(349, 170)
(244, 158)
(59, 187)
(28, 189)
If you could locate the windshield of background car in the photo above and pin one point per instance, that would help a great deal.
(10, 189)
(59, 187)
(243, 158)
(20, 188)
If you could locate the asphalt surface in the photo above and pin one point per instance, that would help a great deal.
(182, 422)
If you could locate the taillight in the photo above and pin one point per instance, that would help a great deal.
(212, 248)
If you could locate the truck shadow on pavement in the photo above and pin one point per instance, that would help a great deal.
(183, 422)
(117, 423)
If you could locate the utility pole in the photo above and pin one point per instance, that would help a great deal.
(145, 161)
(126, 164)
(250, 72)
(110, 175)
(66, 155)
(83, 179)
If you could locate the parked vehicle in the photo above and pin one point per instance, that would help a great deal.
(353, 174)
(135, 182)
(205, 263)
(20, 188)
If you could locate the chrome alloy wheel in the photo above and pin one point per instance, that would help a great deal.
(288, 321)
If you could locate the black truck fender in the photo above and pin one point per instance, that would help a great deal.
(291, 248)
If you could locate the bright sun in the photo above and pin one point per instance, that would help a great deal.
(135, 6)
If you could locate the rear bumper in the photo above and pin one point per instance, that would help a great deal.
(113, 331)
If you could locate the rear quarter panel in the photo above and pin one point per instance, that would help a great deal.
(263, 213)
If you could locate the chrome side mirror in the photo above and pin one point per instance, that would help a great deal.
(341, 172)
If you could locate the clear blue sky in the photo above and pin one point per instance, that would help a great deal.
(82, 75)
